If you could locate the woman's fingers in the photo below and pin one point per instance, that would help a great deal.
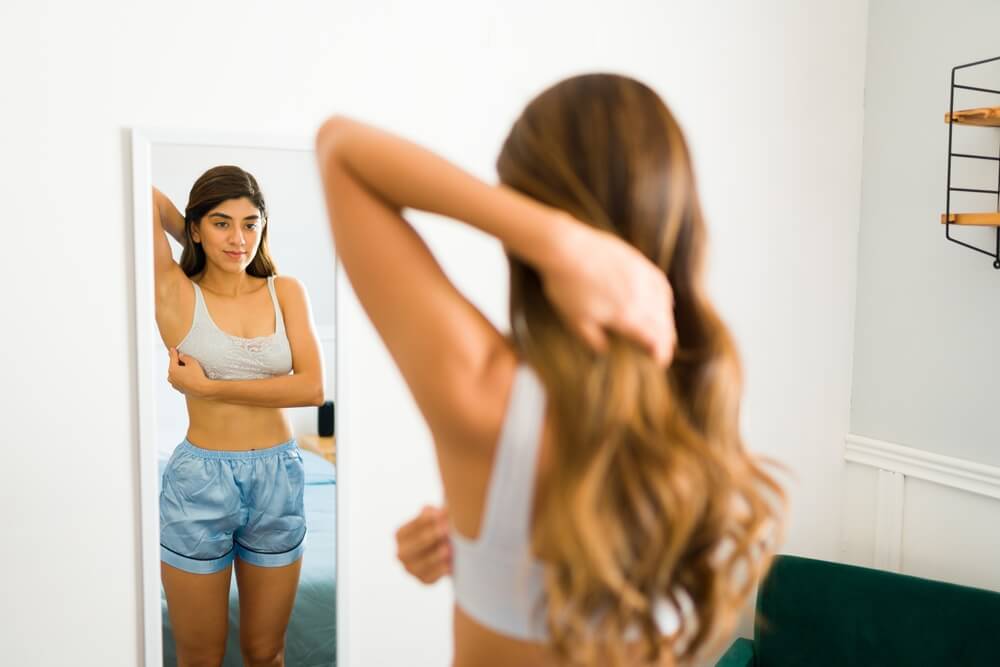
(171, 376)
(418, 525)
(649, 323)
(417, 541)
(432, 564)
(593, 335)
(608, 286)
(423, 545)
(652, 322)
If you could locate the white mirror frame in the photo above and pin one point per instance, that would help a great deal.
(143, 140)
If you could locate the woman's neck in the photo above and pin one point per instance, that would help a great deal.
(227, 283)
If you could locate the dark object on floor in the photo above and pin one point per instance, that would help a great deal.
(325, 425)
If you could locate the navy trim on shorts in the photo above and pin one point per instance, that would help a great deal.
(193, 557)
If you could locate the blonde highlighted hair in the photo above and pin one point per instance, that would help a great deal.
(651, 495)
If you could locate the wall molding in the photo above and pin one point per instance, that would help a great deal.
(889, 500)
(950, 471)
(894, 463)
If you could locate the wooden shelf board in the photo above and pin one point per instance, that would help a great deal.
(981, 219)
(984, 116)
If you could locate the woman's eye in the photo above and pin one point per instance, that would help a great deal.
(252, 226)
(220, 225)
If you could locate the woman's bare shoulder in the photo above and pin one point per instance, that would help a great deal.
(285, 282)
(290, 290)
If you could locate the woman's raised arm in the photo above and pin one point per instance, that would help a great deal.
(166, 220)
(442, 345)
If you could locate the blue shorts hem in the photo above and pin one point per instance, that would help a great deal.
(194, 565)
(271, 560)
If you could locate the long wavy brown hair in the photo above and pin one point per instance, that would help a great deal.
(652, 496)
(215, 186)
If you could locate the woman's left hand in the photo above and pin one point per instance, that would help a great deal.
(599, 283)
(423, 545)
(186, 375)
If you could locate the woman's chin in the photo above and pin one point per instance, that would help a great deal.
(229, 266)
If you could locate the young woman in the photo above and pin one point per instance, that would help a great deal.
(242, 347)
(602, 507)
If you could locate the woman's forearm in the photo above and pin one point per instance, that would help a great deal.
(405, 175)
(285, 391)
(170, 218)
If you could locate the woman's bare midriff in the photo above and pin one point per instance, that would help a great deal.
(232, 427)
(478, 646)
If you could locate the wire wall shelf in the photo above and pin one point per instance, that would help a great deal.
(982, 117)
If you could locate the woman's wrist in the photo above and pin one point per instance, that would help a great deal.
(530, 230)
(207, 389)
(549, 247)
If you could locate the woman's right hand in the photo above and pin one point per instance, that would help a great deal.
(423, 545)
(170, 219)
(598, 282)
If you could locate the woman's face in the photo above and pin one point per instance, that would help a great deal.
(230, 234)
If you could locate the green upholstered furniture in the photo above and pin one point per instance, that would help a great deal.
(816, 613)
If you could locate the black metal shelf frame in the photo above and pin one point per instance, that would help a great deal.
(951, 126)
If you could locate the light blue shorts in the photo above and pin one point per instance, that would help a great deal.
(217, 505)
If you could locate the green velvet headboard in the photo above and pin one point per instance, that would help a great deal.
(813, 612)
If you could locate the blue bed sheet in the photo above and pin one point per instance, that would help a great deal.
(311, 640)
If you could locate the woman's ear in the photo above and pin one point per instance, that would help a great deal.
(195, 233)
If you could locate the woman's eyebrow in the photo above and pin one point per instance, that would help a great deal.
(229, 217)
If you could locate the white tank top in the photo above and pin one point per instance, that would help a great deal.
(497, 581)
(228, 357)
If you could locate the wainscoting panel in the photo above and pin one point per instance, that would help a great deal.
(925, 514)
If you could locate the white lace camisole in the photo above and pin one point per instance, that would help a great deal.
(228, 357)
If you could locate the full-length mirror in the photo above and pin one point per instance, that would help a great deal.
(237, 360)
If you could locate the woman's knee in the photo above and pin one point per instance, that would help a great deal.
(200, 657)
(263, 654)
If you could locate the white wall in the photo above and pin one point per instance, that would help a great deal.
(925, 385)
(769, 93)
(927, 309)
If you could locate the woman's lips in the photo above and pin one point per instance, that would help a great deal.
(234, 255)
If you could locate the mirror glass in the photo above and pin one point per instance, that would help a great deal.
(246, 467)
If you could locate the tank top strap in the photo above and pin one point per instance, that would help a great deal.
(279, 320)
(510, 494)
(200, 309)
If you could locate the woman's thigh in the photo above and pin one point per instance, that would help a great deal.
(198, 606)
(266, 595)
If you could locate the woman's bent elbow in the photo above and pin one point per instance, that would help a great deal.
(329, 133)
(318, 396)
